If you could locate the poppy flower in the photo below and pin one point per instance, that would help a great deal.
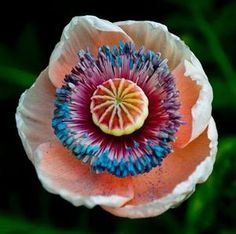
(120, 118)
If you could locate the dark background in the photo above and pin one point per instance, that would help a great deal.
(28, 34)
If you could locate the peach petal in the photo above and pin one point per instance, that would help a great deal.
(82, 33)
(61, 173)
(34, 114)
(155, 36)
(201, 111)
(195, 96)
(188, 96)
(165, 187)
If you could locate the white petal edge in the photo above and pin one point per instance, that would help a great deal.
(19, 124)
(99, 24)
(154, 24)
(77, 200)
(92, 22)
(181, 191)
(175, 43)
(25, 116)
(201, 111)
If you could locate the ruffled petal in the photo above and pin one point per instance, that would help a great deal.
(61, 173)
(34, 114)
(175, 180)
(155, 36)
(82, 33)
(195, 96)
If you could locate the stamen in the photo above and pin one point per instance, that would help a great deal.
(119, 112)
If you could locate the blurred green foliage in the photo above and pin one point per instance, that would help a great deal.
(9, 224)
(209, 29)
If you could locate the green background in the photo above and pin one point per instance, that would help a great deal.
(29, 33)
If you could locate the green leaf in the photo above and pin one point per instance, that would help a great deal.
(16, 76)
(11, 224)
(225, 23)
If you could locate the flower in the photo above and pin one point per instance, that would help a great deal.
(121, 118)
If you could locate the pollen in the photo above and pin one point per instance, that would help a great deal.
(119, 107)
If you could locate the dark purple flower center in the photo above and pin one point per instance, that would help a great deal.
(119, 112)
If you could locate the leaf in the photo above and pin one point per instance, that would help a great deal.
(11, 224)
(224, 22)
(15, 76)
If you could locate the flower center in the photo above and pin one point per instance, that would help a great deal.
(119, 107)
(102, 112)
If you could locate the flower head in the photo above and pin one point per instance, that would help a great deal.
(120, 118)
